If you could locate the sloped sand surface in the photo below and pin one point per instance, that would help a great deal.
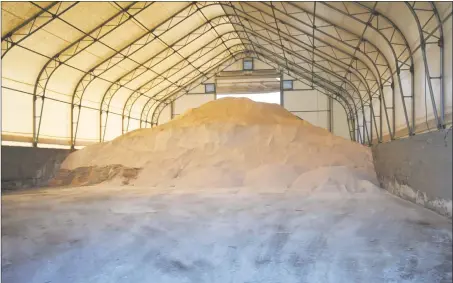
(228, 143)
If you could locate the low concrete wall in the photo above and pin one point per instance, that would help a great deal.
(25, 167)
(419, 169)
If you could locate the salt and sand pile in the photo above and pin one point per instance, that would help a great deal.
(233, 191)
(235, 142)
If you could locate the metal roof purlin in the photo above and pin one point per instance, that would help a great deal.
(352, 51)
(33, 24)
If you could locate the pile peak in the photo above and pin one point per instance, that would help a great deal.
(241, 111)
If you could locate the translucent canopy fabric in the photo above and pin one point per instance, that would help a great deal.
(80, 71)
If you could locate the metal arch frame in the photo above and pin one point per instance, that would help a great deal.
(423, 41)
(293, 63)
(279, 36)
(317, 28)
(355, 88)
(18, 34)
(332, 60)
(223, 4)
(373, 13)
(127, 78)
(118, 57)
(229, 57)
(325, 91)
(207, 64)
(370, 113)
(345, 82)
(405, 61)
(187, 15)
(115, 84)
(194, 56)
(139, 91)
(336, 97)
(208, 21)
(72, 50)
(398, 66)
(358, 38)
(156, 100)
(322, 84)
(267, 30)
(397, 60)
(163, 42)
(164, 104)
(400, 61)
(233, 32)
(330, 95)
(362, 39)
(322, 89)
(210, 42)
(380, 86)
(341, 87)
(308, 84)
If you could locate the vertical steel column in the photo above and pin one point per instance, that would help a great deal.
(371, 124)
(441, 75)
(172, 110)
(282, 99)
(215, 88)
(413, 98)
(330, 117)
(313, 38)
(381, 104)
(100, 127)
(423, 41)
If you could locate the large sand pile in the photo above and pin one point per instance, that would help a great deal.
(234, 142)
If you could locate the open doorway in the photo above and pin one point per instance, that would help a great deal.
(257, 85)
(271, 97)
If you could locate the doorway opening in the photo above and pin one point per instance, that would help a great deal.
(271, 97)
(257, 85)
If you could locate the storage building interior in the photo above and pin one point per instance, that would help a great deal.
(125, 157)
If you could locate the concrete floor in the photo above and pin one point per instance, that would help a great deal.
(129, 234)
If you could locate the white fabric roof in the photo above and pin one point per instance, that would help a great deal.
(132, 58)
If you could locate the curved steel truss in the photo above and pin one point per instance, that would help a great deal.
(361, 68)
